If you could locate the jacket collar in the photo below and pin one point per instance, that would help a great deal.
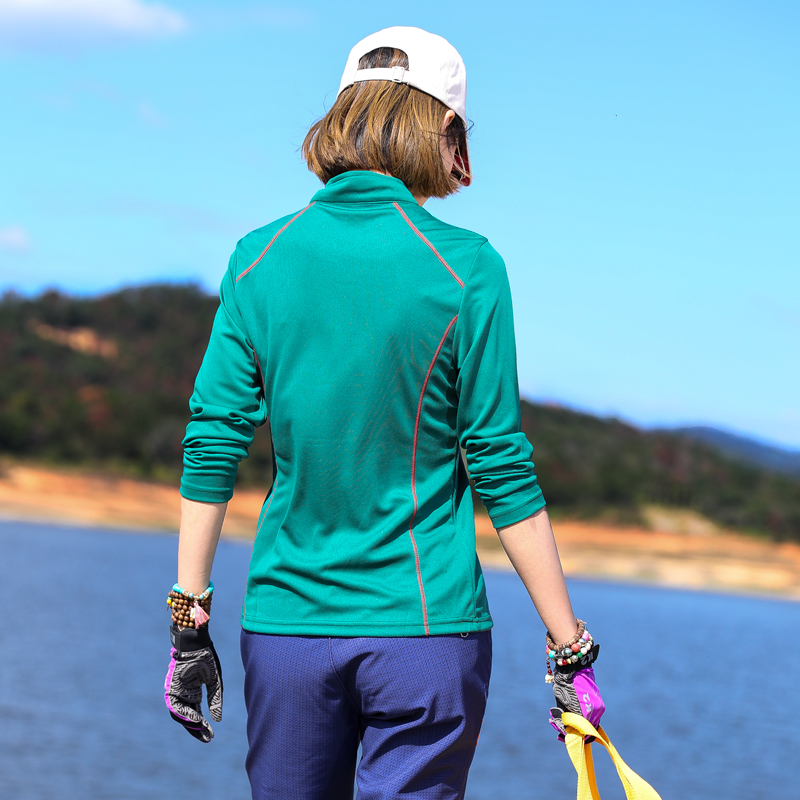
(362, 186)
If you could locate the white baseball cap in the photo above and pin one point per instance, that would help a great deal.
(434, 67)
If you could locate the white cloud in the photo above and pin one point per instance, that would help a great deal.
(15, 239)
(32, 23)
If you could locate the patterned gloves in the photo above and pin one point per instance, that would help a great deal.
(575, 690)
(194, 663)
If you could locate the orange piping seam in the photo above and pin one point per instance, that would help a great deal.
(435, 251)
(272, 241)
(413, 476)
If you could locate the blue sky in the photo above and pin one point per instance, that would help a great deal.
(637, 166)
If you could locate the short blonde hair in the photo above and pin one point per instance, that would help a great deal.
(387, 127)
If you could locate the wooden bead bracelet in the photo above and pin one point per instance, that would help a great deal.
(551, 645)
(189, 610)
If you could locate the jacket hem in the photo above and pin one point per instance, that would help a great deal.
(354, 629)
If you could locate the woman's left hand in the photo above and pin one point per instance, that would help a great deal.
(194, 663)
(576, 691)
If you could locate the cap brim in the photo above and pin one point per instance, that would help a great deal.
(461, 167)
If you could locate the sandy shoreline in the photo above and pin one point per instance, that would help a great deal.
(685, 552)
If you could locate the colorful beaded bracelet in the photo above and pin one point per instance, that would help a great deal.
(177, 588)
(569, 652)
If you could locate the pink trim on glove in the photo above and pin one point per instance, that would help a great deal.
(167, 683)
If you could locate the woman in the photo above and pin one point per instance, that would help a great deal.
(379, 342)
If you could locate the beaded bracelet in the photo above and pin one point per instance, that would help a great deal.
(553, 646)
(569, 652)
(190, 610)
(187, 613)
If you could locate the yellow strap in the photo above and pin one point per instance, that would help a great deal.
(577, 727)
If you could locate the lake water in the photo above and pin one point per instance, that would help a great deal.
(84, 649)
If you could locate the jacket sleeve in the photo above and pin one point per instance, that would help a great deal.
(488, 422)
(226, 405)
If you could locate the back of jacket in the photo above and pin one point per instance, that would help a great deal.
(378, 341)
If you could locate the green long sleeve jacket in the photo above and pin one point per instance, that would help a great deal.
(379, 342)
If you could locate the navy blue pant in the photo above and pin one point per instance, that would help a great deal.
(416, 705)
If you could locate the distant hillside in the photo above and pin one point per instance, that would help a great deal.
(104, 381)
(747, 450)
(591, 466)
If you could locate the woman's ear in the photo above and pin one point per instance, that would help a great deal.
(448, 118)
